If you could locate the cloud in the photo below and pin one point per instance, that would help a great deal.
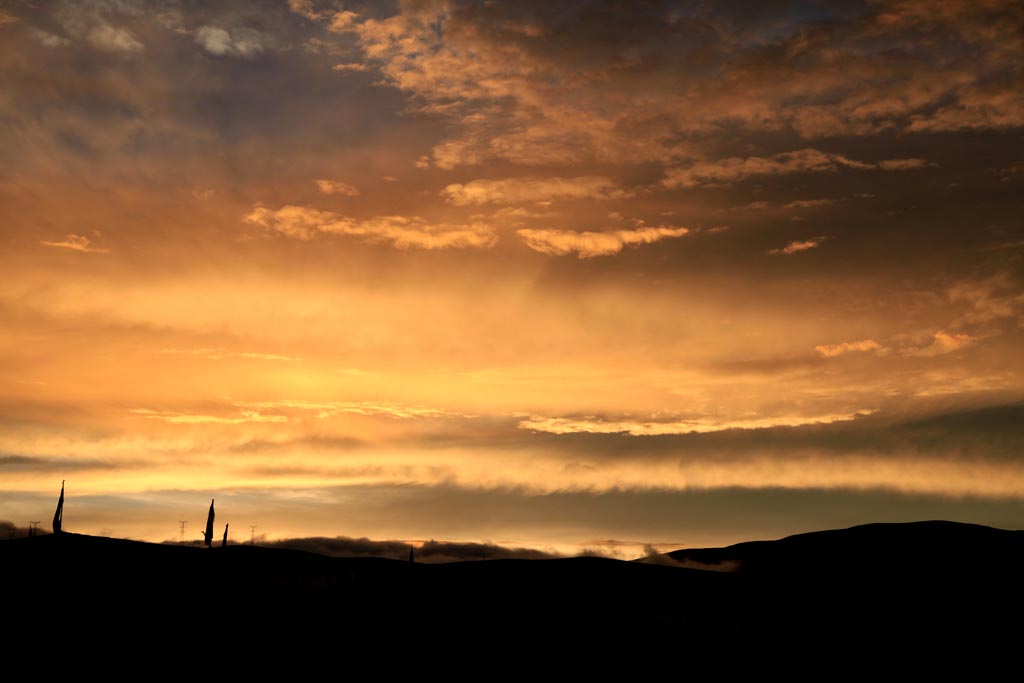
(350, 66)
(325, 409)
(76, 243)
(238, 42)
(695, 425)
(992, 302)
(943, 343)
(306, 8)
(7, 18)
(23, 463)
(516, 190)
(798, 246)
(343, 21)
(304, 223)
(218, 354)
(48, 39)
(992, 106)
(833, 350)
(808, 203)
(90, 20)
(424, 551)
(531, 83)
(336, 187)
(590, 244)
(114, 39)
(723, 171)
(192, 418)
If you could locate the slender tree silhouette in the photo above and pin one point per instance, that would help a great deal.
(208, 534)
(224, 541)
(412, 558)
(58, 516)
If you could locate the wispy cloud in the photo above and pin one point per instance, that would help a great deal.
(695, 425)
(590, 244)
(724, 171)
(516, 190)
(76, 243)
(403, 232)
(943, 343)
(238, 42)
(797, 246)
(324, 409)
(195, 418)
(336, 187)
(219, 354)
(808, 203)
(351, 66)
(833, 350)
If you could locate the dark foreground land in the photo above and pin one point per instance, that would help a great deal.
(942, 584)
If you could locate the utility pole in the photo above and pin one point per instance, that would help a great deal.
(252, 536)
(181, 534)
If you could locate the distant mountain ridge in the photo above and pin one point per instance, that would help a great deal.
(931, 547)
(928, 582)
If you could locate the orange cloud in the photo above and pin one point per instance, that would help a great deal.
(712, 173)
(336, 187)
(76, 243)
(943, 343)
(219, 354)
(515, 190)
(350, 66)
(697, 425)
(191, 418)
(304, 223)
(833, 350)
(590, 244)
(798, 246)
(808, 203)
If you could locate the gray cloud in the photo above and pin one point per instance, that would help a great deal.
(236, 42)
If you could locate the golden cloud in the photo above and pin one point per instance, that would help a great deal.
(589, 244)
(305, 223)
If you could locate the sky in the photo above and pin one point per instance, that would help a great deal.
(556, 275)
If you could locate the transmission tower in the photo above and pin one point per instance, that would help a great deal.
(32, 526)
(181, 528)
(252, 536)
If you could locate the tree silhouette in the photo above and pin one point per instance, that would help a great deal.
(58, 516)
(208, 534)
(224, 541)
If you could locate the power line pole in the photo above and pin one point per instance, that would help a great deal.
(252, 536)
(181, 535)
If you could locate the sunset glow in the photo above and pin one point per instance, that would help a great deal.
(560, 276)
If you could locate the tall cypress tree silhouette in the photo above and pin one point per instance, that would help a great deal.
(58, 516)
(224, 541)
(208, 534)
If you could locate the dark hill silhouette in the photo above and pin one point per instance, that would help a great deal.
(937, 582)
(934, 549)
